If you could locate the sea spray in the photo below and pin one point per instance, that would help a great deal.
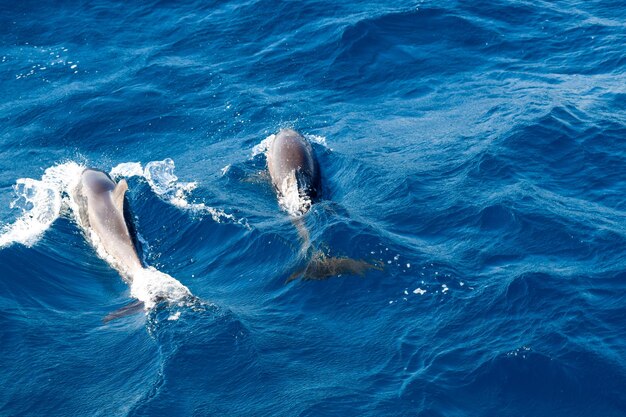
(291, 199)
(41, 202)
(151, 286)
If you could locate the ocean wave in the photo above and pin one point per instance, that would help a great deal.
(477, 151)
(164, 183)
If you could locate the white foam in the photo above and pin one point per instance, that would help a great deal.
(174, 316)
(290, 198)
(320, 140)
(36, 217)
(41, 202)
(151, 285)
(127, 169)
(263, 146)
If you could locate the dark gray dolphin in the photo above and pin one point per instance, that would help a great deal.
(295, 175)
(294, 171)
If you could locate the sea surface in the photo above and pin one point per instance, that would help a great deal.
(476, 149)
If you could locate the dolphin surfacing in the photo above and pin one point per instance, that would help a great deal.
(295, 175)
(105, 219)
(294, 171)
(101, 211)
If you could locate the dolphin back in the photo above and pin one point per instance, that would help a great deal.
(103, 210)
(290, 154)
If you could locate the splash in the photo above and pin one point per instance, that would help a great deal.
(320, 140)
(290, 198)
(127, 169)
(40, 202)
(225, 170)
(151, 286)
(162, 180)
(263, 146)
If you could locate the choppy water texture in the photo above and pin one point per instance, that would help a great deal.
(475, 148)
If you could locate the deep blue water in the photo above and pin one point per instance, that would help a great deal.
(476, 148)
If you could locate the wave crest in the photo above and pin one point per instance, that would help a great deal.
(162, 180)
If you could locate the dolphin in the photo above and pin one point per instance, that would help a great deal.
(294, 171)
(296, 177)
(104, 215)
(102, 210)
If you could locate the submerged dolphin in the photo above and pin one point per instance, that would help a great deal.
(104, 215)
(296, 177)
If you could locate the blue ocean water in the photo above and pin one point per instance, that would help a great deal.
(475, 148)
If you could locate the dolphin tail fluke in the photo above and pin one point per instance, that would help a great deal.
(321, 267)
(128, 310)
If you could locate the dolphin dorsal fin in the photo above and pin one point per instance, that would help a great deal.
(118, 194)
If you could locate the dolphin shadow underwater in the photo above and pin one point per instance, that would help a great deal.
(104, 215)
(295, 175)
